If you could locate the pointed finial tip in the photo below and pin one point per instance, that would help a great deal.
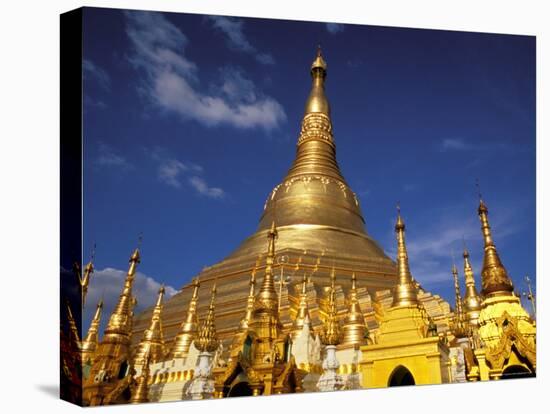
(399, 225)
(319, 62)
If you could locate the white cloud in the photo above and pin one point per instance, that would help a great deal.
(455, 144)
(170, 172)
(232, 28)
(334, 28)
(175, 173)
(202, 188)
(172, 83)
(107, 284)
(108, 158)
(95, 72)
(459, 144)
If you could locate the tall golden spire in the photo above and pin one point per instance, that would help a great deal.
(494, 277)
(302, 316)
(207, 340)
(141, 391)
(73, 329)
(405, 291)
(355, 328)
(331, 328)
(317, 101)
(89, 344)
(152, 342)
(85, 280)
(316, 152)
(472, 302)
(189, 327)
(120, 322)
(459, 328)
(245, 321)
(317, 209)
(267, 296)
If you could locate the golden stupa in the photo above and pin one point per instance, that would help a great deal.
(320, 225)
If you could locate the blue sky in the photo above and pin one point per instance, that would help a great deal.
(190, 121)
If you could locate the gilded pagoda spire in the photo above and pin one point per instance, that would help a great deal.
(472, 302)
(73, 329)
(89, 344)
(316, 151)
(317, 102)
(85, 280)
(331, 328)
(330, 380)
(141, 390)
(355, 328)
(459, 328)
(302, 316)
(120, 322)
(405, 291)
(189, 327)
(494, 277)
(267, 295)
(250, 300)
(152, 342)
(207, 340)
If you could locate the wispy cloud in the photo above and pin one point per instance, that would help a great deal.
(460, 144)
(107, 284)
(107, 157)
(233, 29)
(176, 173)
(172, 83)
(202, 188)
(91, 71)
(334, 28)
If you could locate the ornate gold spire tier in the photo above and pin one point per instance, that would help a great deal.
(405, 292)
(189, 327)
(459, 326)
(355, 329)
(319, 225)
(494, 277)
(89, 344)
(472, 302)
(152, 342)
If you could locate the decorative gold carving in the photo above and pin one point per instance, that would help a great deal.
(510, 336)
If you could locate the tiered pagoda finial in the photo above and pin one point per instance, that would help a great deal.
(120, 321)
(152, 342)
(331, 329)
(355, 328)
(472, 302)
(494, 277)
(141, 391)
(73, 329)
(302, 316)
(459, 325)
(250, 300)
(89, 344)
(207, 340)
(405, 291)
(189, 327)
(85, 280)
(267, 295)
